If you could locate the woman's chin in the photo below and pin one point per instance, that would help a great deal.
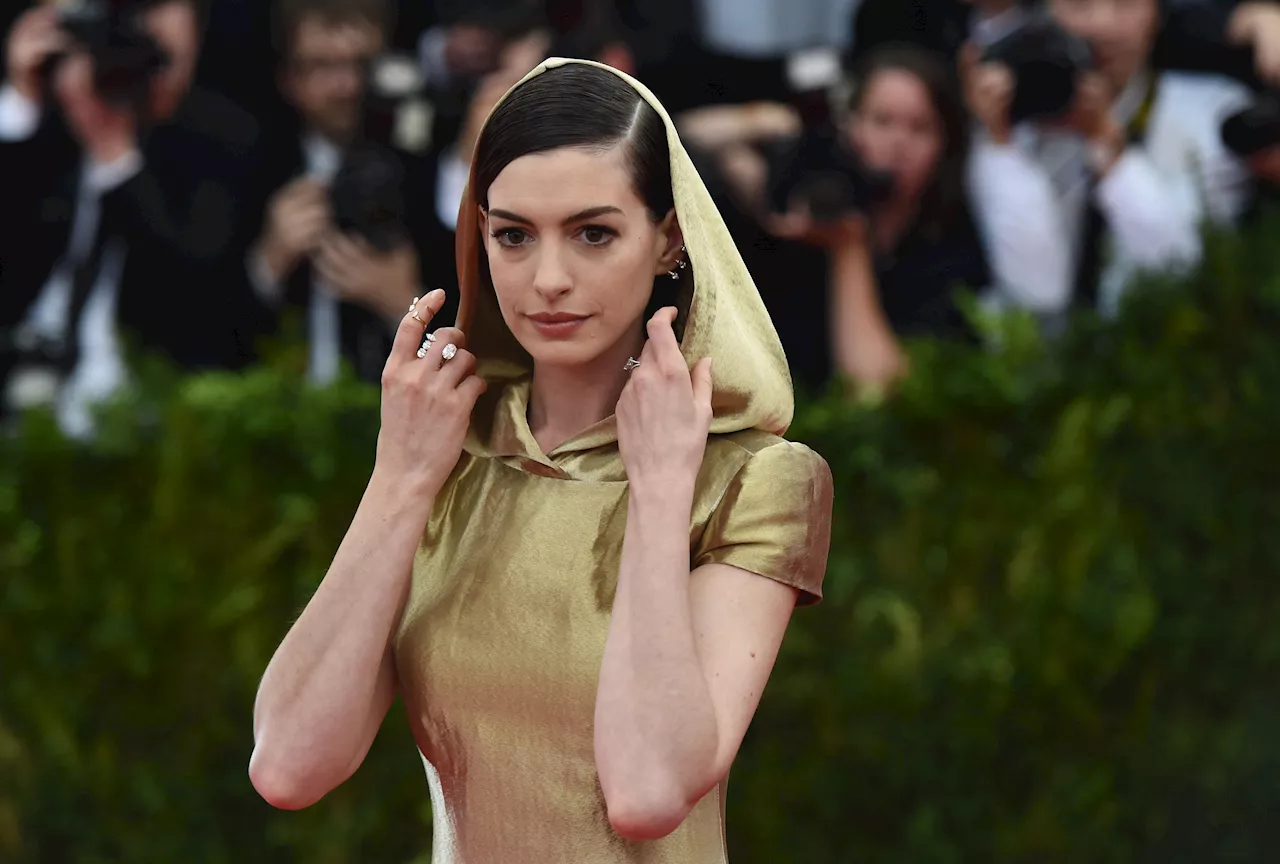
(561, 354)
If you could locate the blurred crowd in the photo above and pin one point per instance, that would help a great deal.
(184, 177)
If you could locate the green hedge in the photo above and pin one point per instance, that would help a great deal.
(1052, 631)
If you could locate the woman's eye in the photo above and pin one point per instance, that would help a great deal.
(595, 235)
(510, 236)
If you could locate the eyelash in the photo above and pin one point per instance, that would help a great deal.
(506, 236)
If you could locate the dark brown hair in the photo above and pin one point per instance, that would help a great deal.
(943, 200)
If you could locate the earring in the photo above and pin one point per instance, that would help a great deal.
(674, 272)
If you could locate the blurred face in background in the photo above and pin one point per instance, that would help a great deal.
(896, 128)
(175, 27)
(326, 76)
(1121, 32)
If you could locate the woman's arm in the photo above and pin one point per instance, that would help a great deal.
(332, 680)
(863, 346)
(688, 654)
(687, 658)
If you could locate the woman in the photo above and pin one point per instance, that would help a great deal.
(568, 597)
(894, 273)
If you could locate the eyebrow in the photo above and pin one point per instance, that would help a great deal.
(589, 213)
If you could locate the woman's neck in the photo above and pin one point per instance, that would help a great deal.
(564, 401)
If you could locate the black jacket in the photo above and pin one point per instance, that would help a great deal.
(181, 218)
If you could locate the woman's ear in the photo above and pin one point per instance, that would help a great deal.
(670, 245)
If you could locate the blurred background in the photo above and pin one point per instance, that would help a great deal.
(1021, 258)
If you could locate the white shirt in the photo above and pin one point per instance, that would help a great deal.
(1030, 196)
(767, 29)
(99, 370)
(322, 159)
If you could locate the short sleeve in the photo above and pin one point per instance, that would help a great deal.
(774, 520)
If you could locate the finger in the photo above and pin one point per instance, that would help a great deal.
(359, 246)
(308, 185)
(337, 255)
(1269, 65)
(473, 388)
(453, 372)
(329, 264)
(442, 337)
(409, 334)
(702, 382)
(438, 341)
(298, 193)
(312, 224)
(346, 249)
(663, 339)
(447, 335)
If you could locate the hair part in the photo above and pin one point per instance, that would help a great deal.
(583, 107)
(943, 200)
(288, 16)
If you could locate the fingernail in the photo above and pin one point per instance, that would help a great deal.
(436, 294)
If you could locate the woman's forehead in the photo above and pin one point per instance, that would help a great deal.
(559, 183)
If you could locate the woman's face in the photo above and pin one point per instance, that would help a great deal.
(573, 254)
(896, 129)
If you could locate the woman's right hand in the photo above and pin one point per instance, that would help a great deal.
(426, 402)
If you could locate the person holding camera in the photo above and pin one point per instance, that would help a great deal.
(1117, 177)
(896, 266)
(122, 204)
(351, 280)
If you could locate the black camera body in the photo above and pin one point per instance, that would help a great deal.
(367, 196)
(1046, 62)
(125, 57)
(1254, 128)
(817, 170)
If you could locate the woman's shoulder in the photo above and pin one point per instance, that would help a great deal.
(751, 443)
(760, 460)
(766, 508)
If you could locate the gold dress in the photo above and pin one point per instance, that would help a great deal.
(499, 649)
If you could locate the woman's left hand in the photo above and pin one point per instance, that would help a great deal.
(664, 414)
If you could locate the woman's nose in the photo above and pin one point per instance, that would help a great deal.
(551, 279)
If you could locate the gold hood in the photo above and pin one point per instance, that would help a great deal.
(726, 318)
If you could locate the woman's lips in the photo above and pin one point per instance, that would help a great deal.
(558, 325)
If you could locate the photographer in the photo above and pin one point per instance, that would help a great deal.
(353, 288)
(122, 190)
(1118, 179)
(895, 268)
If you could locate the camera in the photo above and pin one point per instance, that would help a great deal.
(1254, 128)
(1046, 62)
(125, 57)
(817, 170)
(367, 196)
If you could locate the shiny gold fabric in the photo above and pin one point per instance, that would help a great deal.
(500, 645)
